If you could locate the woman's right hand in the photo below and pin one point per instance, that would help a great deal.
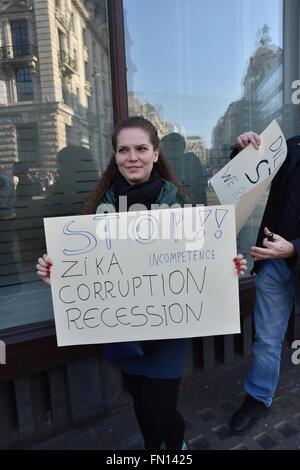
(244, 139)
(43, 268)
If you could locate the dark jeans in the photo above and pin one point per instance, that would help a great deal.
(155, 402)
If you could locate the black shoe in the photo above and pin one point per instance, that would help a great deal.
(247, 414)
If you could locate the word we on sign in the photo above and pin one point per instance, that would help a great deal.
(244, 180)
(143, 275)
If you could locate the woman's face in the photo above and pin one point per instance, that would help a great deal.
(135, 155)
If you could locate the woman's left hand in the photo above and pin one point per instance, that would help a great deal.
(241, 265)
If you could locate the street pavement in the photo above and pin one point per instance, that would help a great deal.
(207, 402)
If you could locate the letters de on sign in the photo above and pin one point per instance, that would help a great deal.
(143, 275)
(244, 180)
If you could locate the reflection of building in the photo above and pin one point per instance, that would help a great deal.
(51, 92)
(130, 65)
(234, 122)
(263, 83)
(269, 96)
(54, 93)
(264, 60)
(138, 108)
(195, 144)
(262, 100)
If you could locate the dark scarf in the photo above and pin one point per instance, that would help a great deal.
(139, 193)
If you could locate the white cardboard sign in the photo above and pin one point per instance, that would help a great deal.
(167, 273)
(244, 180)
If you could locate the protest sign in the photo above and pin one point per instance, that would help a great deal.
(167, 273)
(244, 180)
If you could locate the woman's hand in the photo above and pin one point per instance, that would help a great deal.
(43, 269)
(244, 139)
(241, 265)
(277, 248)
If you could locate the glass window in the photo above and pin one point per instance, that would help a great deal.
(205, 72)
(28, 143)
(3, 93)
(51, 152)
(72, 26)
(24, 84)
(20, 37)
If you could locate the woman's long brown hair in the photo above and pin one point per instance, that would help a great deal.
(90, 204)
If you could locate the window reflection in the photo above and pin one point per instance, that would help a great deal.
(55, 127)
(211, 71)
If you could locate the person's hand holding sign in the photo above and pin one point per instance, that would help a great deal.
(43, 268)
(249, 137)
(274, 247)
(241, 265)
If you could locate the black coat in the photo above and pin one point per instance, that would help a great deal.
(274, 206)
(275, 201)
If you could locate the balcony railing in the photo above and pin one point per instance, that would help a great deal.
(16, 51)
(66, 63)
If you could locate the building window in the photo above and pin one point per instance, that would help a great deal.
(20, 37)
(75, 59)
(3, 93)
(84, 37)
(24, 84)
(66, 94)
(72, 25)
(28, 144)
(42, 181)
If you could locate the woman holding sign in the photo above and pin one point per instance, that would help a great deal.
(151, 369)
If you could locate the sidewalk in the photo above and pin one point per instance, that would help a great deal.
(207, 404)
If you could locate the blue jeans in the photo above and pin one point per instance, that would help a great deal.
(275, 294)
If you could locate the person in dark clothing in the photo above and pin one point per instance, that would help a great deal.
(139, 171)
(277, 280)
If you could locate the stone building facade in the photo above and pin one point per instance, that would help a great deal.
(54, 81)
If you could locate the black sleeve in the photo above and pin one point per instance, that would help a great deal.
(294, 262)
